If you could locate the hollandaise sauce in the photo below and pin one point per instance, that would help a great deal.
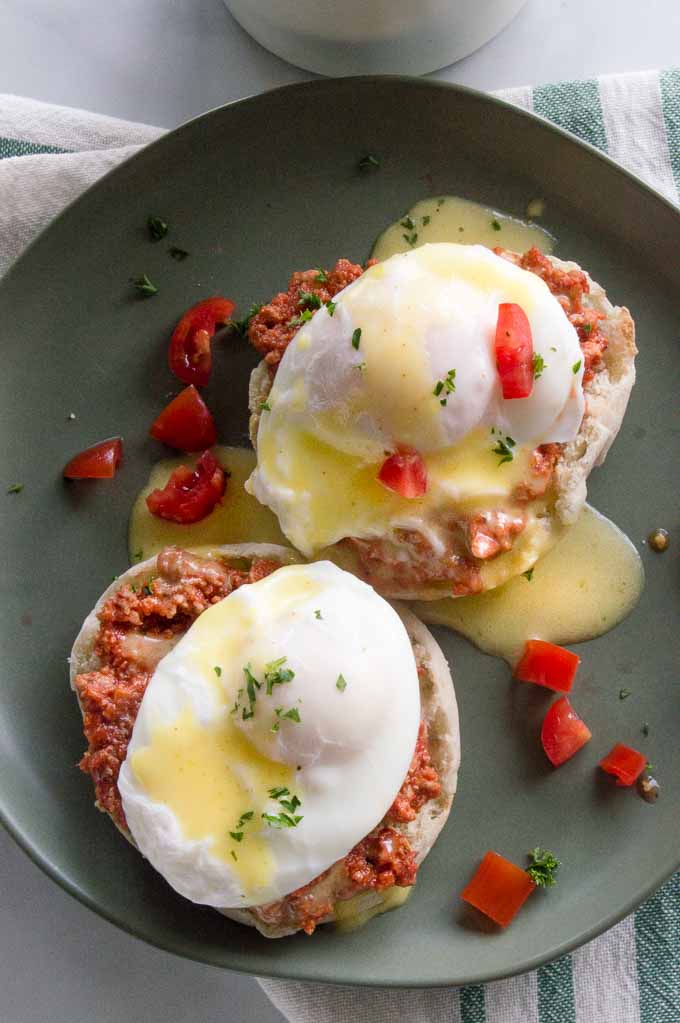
(588, 583)
(238, 519)
(448, 218)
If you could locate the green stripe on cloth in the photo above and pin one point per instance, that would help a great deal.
(13, 147)
(669, 81)
(556, 993)
(574, 106)
(472, 1004)
(657, 939)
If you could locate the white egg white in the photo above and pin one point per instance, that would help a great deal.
(355, 692)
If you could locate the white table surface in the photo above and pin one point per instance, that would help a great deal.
(162, 62)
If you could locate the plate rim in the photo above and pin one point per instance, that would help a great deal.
(11, 826)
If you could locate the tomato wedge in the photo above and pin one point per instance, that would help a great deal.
(546, 664)
(405, 473)
(190, 356)
(186, 423)
(96, 463)
(514, 351)
(563, 732)
(498, 889)
(624, 763)
(190, 494)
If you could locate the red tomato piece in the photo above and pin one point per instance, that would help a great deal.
(624, 763)
(190, 494)
(190, 356)
(96, 463)
(405, 473)
(514, 351)
(186, 423)
(546, 664)
(563, 732)
(498, 889)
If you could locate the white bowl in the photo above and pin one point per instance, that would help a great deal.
(353, 37)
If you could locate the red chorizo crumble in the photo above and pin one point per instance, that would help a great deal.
(272, 329)
(110, 697)
(569, 286)
(383, 859)
(420, 785)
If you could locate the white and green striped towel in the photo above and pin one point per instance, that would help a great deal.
(631, 974)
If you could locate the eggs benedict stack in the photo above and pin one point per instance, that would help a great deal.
(434, 422)
(277, 740)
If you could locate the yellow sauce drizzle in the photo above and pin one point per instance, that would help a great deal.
(239, 519)
(585, 586)
(447, 215)
(187, 767)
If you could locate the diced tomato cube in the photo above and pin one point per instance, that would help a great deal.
(514, 351)
(624, 763)
(563, 732)
(546, 664)
(498, 889)
(405, 473)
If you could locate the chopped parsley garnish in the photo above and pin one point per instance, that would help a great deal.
(361, 366)
(277, 792)
(529, 574)
(265, 406)
(179, 255)
(292, 715)
(281, 820)
(495, 225)
(138, 555)
(252, 685)
(146, 589)
(236, 835)
(552, 348)
(341, 683)
(241, 326)
(321, 276)
(309, 300)
(144, 286)
(368, 163)
(649, 767)
(158, 228)
(356, 339)
(426, 220)
(447, 386)
(218, 670)
(411, 238)
(247, 816)
(304, 317)
(275, 674)
(539, 365)
(586, 328)
(331, 307)
(504, 449)
(576, 367)
(542, 867)
(16, 488)
(317, 614)
(624, 693)
(234, 856)
(408, 224)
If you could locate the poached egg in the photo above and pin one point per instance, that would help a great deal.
(273, 737)
(361, 378)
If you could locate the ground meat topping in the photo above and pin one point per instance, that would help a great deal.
(132, 621)
(383, 859)
(420, 785)
(569, 286)
(272, 329)
(409, 561)
(491, 532)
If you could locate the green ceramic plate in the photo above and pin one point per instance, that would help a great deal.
(253, 190)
